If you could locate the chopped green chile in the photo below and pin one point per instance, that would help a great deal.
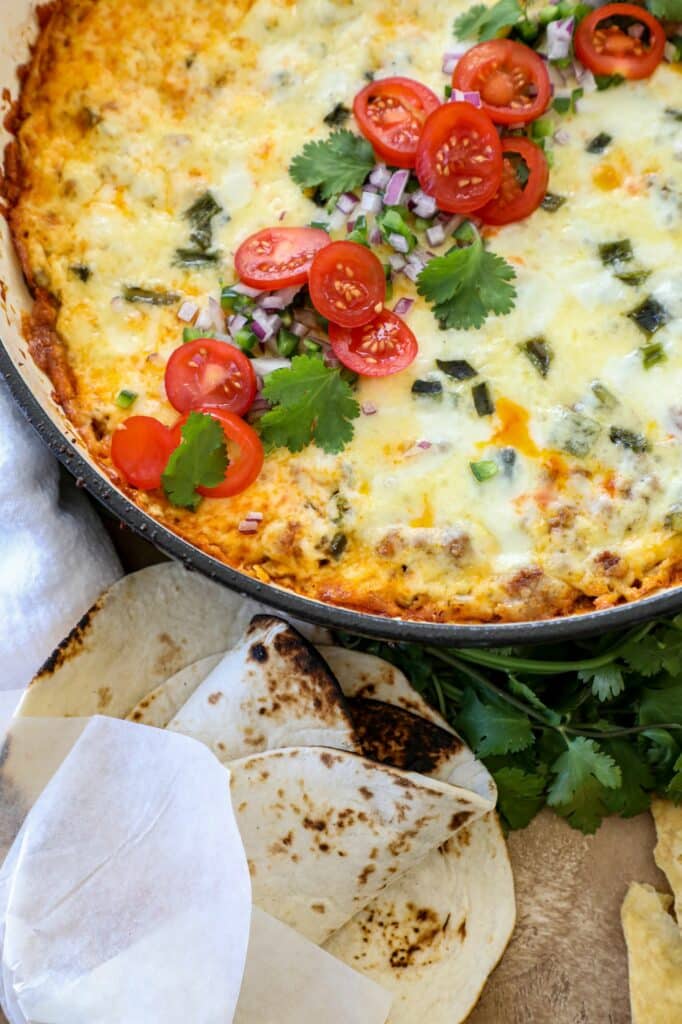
(459, 369)
(608, 81)
(603, 395)
(673, 520)
(81, 271)
(611, 253)
(125, 398)
(650, 315)
(599, 143)
(150, 296)
(576, 433)
(200, 214)
(552, 202)
(651, 354)
(195, 257)
(338, 115)
(246, 339)
(287, 342)
(192, 334)
(233, 302)
(486, 469)
(338, 544)
(539, 353)
(483, 402)
(673, 113)
(434, 388)
(634, 278)
(628, 439)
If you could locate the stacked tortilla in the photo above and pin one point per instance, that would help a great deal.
(368, 824)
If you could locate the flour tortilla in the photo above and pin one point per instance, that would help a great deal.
(164, 702)
(654, 956)
(271, 690)
(668, 852)
(325, 830)
(144, 629)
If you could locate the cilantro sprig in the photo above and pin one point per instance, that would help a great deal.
(312, 403)
(590, 729)
(334, 165)
(481, 22)
(467, 284)
(200, 460)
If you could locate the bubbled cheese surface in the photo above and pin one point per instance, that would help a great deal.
(136, 109)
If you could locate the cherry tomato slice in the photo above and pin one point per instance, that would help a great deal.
(140, 449)
(510, 77)
(347, 284)
(212, 373)
(459, 158)
(244, 449)
(605, 47)
(279, 257)
(391, 113)
(383, 346)
(515, 200)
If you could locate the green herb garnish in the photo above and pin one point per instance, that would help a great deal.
(467, 284)
(481, 22)
(392, 222)
(334, 165)
(192, 334)
(608, 81)
(313, 403)
(200, 460)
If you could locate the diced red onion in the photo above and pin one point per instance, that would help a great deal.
(562, 137)
(424, 444)
(337, 220)
(396, 261)
(248, 526)
(449, 62)
(398, 242)
(559, 37)
(452, 223)
(636, 30)
(347, 202)
(263, 366)
(380, 176)
(368, 409)
(418, 258)
(371, 202)
(468, 96)
(216, 314)
(282, 215)
(265, 326)
(412, 271)
(243, 289)
(227, 338)
(425, 208)
(236, 323)
(205, 320)
(260, 404)
(330, 359)
(279, 299)
(584, 77)
(300, 330)
(375, 236)
(435, 235)
(188, 310)
(118, 304)
(403, 306)
(395, 190)
(255, 517)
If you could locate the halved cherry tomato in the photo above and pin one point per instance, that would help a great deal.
(510, 77)
(459, 158)
(383, 346)
(140, 449)
(391, 113)
(515, 200)
(279, 257)
(347, 284)
(212, 373)
(244, 449)
(604, 46)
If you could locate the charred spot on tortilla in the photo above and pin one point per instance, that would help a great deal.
(257, 652)
(462, 930)
(103, 697)
(458, 820)
(363, 877)
(319, 908)
(70, 645)
(315, 825)
(213, 698)
(168, 655)
(395, 736)
(367, 793)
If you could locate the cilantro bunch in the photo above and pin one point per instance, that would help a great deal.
(590, 729)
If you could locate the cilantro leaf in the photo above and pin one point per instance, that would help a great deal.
(668, 10)
(493, 728)
(645, 655)
(583, 775)
(334, 165)
(606, 682)
(312, 403)
(661, 702)
(481, 22)
(200, 460)
(467, 284)
(674, 787)
(525, 692)
(520, 795)
(634, 794)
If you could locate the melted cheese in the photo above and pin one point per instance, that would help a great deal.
(202, 95)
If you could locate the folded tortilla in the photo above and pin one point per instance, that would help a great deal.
(654, 956)
(668, 852)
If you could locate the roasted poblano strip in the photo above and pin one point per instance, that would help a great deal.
(628, 439)
(651, 354)
(552, 202)
(337, 544)
(634, 278)
(483, 402)
(603, 395)
(81, 271)
(200, 214)
(150, 296)
(427, 387)
(575, 433)
(650, 315)
(338, 115)
(195, 257)
(459, 369)
(599, 143)
(612, 253)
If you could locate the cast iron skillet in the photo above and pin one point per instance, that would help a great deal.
(443, 634)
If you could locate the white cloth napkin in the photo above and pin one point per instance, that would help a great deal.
(55, 558)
